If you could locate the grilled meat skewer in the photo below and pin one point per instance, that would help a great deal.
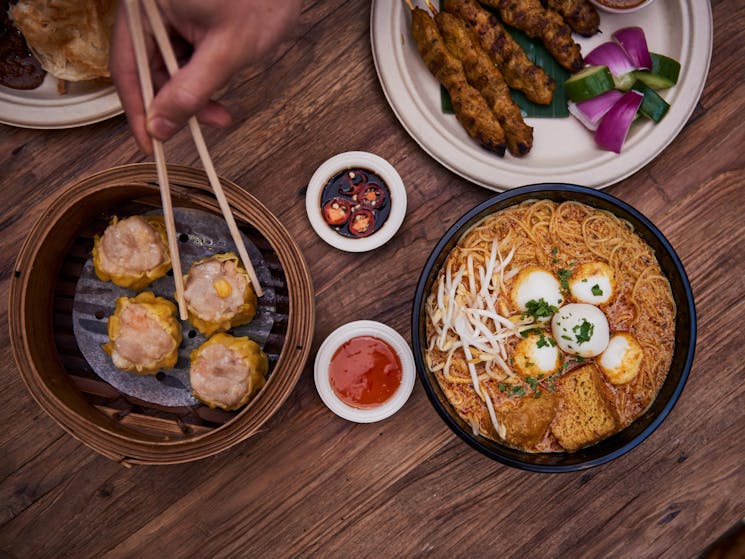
(487, 79)
(581, 15)
(519, 72)
(469, 106)
(547, 25)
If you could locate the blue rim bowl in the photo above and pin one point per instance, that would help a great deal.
(685, 328)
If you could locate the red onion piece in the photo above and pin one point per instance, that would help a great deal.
(634, 44)
(590, 112)
(613, 129)
(612, 56)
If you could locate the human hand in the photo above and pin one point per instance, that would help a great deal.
(223, 35)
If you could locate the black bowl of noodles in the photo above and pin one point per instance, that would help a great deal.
(561, 226)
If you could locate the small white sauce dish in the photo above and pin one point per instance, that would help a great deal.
(347, 161)
(340, 336)
(599, 4)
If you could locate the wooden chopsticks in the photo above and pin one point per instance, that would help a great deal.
(166, 50)
(134, 18)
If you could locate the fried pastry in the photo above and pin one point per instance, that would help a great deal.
(69, 37)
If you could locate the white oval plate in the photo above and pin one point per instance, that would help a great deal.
(44, 108)
(563, 150)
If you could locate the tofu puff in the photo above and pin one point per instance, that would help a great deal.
(218, 293)
(144, 334)
(227, 371)
(132, 252)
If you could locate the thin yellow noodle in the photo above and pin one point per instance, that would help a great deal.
(556, 236)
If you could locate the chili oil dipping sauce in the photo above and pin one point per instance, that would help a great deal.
(356, 201)
(364, 371)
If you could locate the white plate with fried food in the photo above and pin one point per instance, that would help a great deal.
(44, 107)
(70, 40)
(563, 150)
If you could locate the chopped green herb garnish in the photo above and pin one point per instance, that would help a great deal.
(537, 394)
(540, 308)
(596, 290)
(554, 251)
(564, 276)
(584, 280)
(518, 390)
(566, 338)
(532, 382)
(502, 387)
(583, 332)
(542, 341)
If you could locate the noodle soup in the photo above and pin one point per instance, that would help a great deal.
(550, 326)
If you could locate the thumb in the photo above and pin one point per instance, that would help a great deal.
(190, 89)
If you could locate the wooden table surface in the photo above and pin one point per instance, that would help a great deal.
(312, 484)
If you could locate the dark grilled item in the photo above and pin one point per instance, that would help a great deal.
(548, 26)
(487, 79)
(519, 72)
(470, 108)
(581, 15)
(19, 68)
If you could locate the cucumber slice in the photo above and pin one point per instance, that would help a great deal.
(653, 106)
(625, 82)
(665, 72)
(589, 83)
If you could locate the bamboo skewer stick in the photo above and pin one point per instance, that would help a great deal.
(166, 50)
(409, 4)
(134, 18)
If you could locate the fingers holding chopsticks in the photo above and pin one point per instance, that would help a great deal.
(225, 35)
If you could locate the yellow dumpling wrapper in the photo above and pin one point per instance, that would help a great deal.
(222, 289)
(135, 280)
(227, 371)
(164, 341)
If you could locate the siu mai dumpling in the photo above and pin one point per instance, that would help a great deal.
(218, 294)
(132, 252)
(144, 334)
(227, 371)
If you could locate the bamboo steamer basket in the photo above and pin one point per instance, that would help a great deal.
(118, 426)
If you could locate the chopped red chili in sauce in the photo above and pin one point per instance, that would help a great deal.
(367, 202)
(365, 372)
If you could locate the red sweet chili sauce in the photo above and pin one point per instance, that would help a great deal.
(365, 372)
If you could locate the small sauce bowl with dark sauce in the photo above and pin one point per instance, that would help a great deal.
(364, 371)
(356, 201)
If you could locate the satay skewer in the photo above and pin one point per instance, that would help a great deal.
(486, 78)
(545, 24)
(469, 106)
(519, 72)
(169, 57)
(134, 18)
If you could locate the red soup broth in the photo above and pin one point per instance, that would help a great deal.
(365, 372)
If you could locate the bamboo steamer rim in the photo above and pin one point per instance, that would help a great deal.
(191, 183)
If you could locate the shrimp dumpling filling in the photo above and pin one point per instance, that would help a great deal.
(218, 294)
(227, 371)
(132, 252)
(144, 334)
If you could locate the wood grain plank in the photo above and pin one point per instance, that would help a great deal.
(311, 484)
